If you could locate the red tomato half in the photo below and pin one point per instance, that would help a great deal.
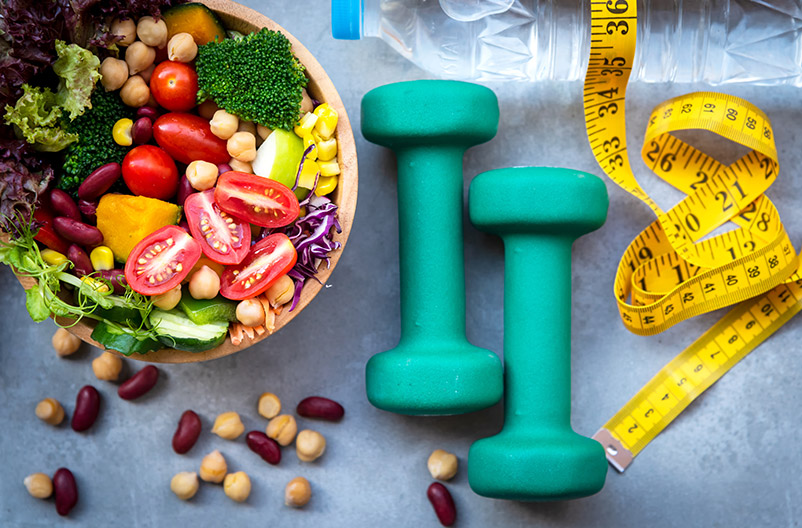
(150, 171)
(174, 85)
(258, 200)
(161, 260)
(222, 237)
(187, 137)
(269, 259)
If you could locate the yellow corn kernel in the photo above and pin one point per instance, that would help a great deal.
(102, 258)
(327, 149)
(96, 284)
(305, 125)
(308, 142)
(53, 257)
(325, 185)
(329, 168)
(327, 121)
(121, 132)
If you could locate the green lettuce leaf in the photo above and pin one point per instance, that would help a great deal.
(77, 69)
(37, 117)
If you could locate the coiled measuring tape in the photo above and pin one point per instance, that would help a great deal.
(675, 269)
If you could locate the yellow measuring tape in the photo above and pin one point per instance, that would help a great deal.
(675, 268)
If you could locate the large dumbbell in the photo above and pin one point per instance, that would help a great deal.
(537, 456)
(429, 125)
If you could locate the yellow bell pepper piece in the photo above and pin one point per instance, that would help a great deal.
(327, 149)
(308, 142)
(305, 125)
(325, 185)
(327, 120)
(329, 168)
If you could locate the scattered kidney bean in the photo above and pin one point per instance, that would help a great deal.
(87, 406)
(187, 432)
(117, 279)
(99, 181)
(64, 205)
(184, 189)
(319, 407)
(147, 111)
(223, 168)
(88, 209)
(78, 232)
(142, 130)
(81, 263)
(442, 503)
(138, 384)
(264, 446)
(66, 490)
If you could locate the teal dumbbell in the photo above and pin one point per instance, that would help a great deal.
(429, 125)
(538, 212)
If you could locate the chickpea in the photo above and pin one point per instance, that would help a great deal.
(250, 312)
(135, 92)
(65, 343)
(242, 166)
(182, 48)
(151, 31)
(228, 425)
(169, 299)
(39, 485)
(204, 284)
(309, 445)
(281, 292)
(242, 146)
(282, 429)
(184, 484)
(207, 109)
(262, 131)
(297, 493)
(50, 411)
(107, 366)
(269, 405)
(307, 105)
(247, 126)
(442, 464)
(202, 175)
(126, 29)
(223, 124)
(139, 56)
(114, 73)
(237, 486)
(147, 73)
(213, 467)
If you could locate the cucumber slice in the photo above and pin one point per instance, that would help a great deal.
(123, 340)
(204, 311)
(176, 330)
(120, 312)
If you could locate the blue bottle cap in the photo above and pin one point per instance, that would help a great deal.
(346, 19)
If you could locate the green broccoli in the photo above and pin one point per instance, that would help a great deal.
(95, 145)
(255, 77)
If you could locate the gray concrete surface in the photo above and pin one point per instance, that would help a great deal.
(733, 458)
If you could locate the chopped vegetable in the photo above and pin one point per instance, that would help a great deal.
(24, 176)
(178, 331)
(124, 220)
(123, 340)
(203, 311)
(195, 19)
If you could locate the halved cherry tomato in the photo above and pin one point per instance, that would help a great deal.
(222, 237)
(258, 200)
(187, 137)
(161, 260)
(150, 171)
(269, 259)
(43, 214)
(174, 85)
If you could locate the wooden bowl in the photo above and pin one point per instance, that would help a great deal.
(240, 18)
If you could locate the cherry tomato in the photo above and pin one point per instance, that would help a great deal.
(174, 85)
(161, 260)
(268, 260)
(222, 237)
(187, 137)
(258, 200)
(150, 171)
(43, 214)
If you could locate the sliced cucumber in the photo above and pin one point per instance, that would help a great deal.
(204, 311)
(120, 312)
(123, 340)
(176, 330)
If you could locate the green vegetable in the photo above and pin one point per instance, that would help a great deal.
(121, 311)
(255, 77)
(123, 340)
(203, 311)
(176, 330)
(77, 69)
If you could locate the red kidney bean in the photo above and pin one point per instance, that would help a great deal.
(319, 407)
(138, 384)
(99, 181)
(88, 209)
(442, 503)
(223, 168)
(66, 490)
(147, 111)
(81, 264)
(184, 189)
(117, 279)
(78, 232)
(64, 204)
(87, 406)
(187, 433)
(264, 446)
(142, 130)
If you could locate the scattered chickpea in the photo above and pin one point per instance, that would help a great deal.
(114, 73)
(50, 411)
(307, 105)
(281, 292)
(237, 486)
(184, 484)
(309, 445)
(247, 126)
(125, 28)
(65, 343)
(202, 175)
(135, 92)
(262, 131)
(107, 366)
(147, 73)
(228, 425)
(169, 299)
(242, 166)
(182, 48)
(269, 405)
(207, 109)
(151, 31)
(204, 284)
(297, 493)
(250, 312)
(282, 429)
(139, 56)
(39, 485)
(223, 124)
(242, 146)
(442, 464)
(213, 467)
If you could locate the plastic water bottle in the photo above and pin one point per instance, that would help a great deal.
(711, 41)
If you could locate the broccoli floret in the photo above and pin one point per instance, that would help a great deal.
(255, 77)
(95, 145)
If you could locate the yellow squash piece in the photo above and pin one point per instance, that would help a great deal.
(124, 220)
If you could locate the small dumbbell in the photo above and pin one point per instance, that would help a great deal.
(429, 125)
(537, 456)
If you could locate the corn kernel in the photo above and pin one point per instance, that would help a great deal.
(325, 185)
(327, 149)
(326, 123)
(305, 126)
(53, 257)
(95, 284)
(102, 259)
(329, 168)
(121, 132)
(308, 142)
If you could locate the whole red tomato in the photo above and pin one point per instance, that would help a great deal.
(150, 171)
(187, 137)
(174, 85)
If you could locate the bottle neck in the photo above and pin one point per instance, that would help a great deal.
(370, 22)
